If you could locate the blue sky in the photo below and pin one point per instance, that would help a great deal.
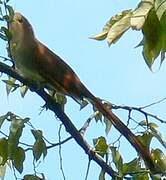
(118, 74)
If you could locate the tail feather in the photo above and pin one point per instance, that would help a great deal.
(123, 129)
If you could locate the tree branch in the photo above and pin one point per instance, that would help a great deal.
(70, 128)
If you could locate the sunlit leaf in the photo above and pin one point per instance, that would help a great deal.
(119, 28)
(140, 13)
(115, 27)
(18, 159)
(160, 7)
(23, 90)
(101, 146)
(15, 133)
(10, 83)
(100, 36)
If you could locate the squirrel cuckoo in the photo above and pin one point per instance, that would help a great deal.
(36, 62)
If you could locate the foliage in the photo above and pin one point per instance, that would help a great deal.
(150, 17)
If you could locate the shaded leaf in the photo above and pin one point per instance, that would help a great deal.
(141, 176)
(2, 170)
(7, 32)
(108, 125)
(100, 145)
(32, 177)
(146, 138)
(39, 148)
(158, 136)
(160, 7)
(18, 159)
(131, 167)
(11, 11)
(140, 13)
(38, 134)
(2, 119)
(117, 159)
(159, 158)
(3, 37)
(102, 175)
(152, 38)
(3, 150)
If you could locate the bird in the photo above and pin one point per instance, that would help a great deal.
(35, 61)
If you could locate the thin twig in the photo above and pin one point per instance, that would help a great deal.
(60, 152)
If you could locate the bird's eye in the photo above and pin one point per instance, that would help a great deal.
(20, 20)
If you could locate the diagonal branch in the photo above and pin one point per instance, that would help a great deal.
(70, 128)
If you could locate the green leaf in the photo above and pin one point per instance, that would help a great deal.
(152, 38)
(2, 119)
(158, 136)
(115, 27)
(32, 177)
(18, 159)
(7, 32)
(108, 125)
(100, 145)
(117, 159)
(3, 150)
(15, 133)
(119, 27)
(160, 7)
(140, 13)
(159, 158)
(141, 176)
(131, 167)
(11, 11)
(23, 90)
(10, 83)
(38, 134)
(102, 175)
(100, 36)
(163, 36)
(39, 148)
(3, 37)
(2, 170)
(146, 138)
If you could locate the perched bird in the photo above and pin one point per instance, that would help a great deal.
(38, 63)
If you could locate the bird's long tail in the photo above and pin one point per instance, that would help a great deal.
(141, 149)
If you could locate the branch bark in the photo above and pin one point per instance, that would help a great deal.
(70, 128)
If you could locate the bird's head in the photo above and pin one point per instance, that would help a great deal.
(20, 28)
